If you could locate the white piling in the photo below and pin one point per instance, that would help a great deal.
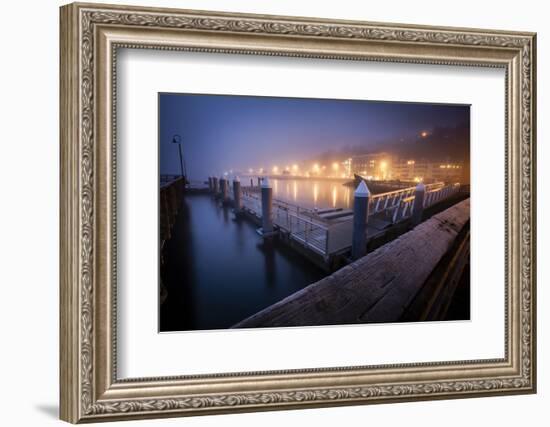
(361, 201)
(418, 204)
(267, 206)
(223, 189)
(237, 194)
(215, 185)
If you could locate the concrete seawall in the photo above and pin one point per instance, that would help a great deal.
(376, 288)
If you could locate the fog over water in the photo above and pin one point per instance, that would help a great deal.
(221, 133)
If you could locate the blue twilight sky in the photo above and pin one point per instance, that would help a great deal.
(223, 132)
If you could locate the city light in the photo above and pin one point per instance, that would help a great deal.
(424, 134)
(347, 164)
(382, 167)
(315, 192)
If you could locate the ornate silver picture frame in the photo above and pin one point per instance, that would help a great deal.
(91, 390)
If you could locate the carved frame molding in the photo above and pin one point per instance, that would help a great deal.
(90, 37)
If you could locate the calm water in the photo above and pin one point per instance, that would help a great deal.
(218, 271)
(311, 193)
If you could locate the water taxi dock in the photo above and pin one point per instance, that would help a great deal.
(324, 235)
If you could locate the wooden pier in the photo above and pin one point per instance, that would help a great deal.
(395, 281)
(170, 197)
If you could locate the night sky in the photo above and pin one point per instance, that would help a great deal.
(222, 132)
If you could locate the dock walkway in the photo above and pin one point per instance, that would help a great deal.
(328, 232)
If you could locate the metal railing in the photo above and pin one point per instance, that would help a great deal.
(252, 203)
(292, 219)
(325, 238)
(302, 229)
(390, 200)
(254, 197)
(434, 193)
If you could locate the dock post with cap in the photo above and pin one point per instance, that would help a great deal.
(267, 207)
(360, 218)
(237, 199)
(418, 204)
(215, 185)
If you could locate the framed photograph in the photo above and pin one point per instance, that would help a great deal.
(265, 212)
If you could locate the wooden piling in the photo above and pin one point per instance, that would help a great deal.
(223, 188)
(360, 217)
(418, 204)
(237, 195)
(267, 206)
(215, 185)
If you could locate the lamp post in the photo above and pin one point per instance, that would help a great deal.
(176, 139)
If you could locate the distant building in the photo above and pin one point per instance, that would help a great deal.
(427, 171)
(383, 166)
(375, 166)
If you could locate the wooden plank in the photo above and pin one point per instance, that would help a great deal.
(328, 210)
(339, 214)
(375, 288)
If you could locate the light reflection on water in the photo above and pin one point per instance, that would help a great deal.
(313, 193)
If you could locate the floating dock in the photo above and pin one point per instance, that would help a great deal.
(323, 235)
(416, 238)
(328, 233)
